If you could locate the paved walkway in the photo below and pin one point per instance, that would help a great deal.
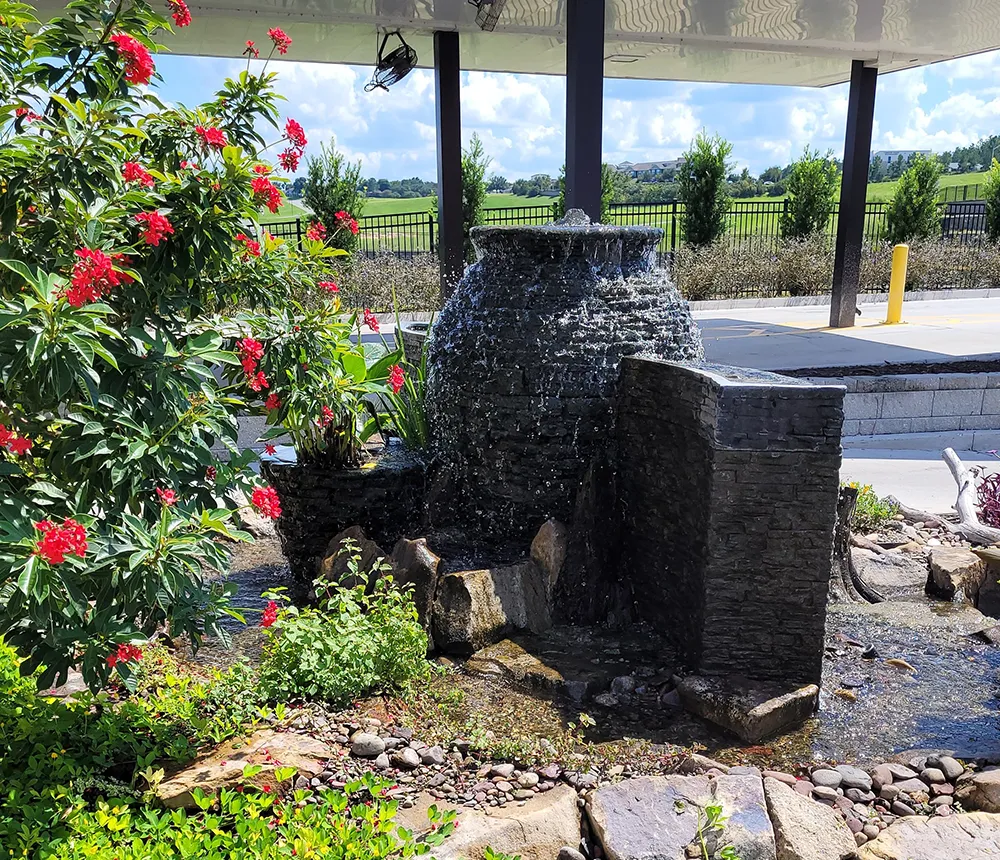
(786, 338)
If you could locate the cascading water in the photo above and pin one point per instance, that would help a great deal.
(524, 359)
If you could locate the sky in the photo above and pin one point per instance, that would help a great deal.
(521, 117)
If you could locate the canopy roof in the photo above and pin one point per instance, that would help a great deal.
(798, 42)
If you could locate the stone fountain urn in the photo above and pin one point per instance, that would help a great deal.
(524, 361)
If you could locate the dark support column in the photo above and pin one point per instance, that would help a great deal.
(853, 192)
(584, 104)
(447, 92)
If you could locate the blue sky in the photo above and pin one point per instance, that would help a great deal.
(521, 117)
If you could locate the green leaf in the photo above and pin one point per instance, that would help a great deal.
(27, 578)
(354, 366)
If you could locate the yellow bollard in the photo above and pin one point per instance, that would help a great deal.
(897, 283)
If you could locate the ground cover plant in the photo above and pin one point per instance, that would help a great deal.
(872, 511)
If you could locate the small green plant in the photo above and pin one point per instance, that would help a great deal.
(871, 511)
(490, 854)
(702, 185)
(913, 211)
(711, 822)
(365, 637)
(811, 188)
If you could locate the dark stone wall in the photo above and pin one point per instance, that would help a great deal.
(728, 483)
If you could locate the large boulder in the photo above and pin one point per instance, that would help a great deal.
(953, 569)
(223, 767)
(414, 564)
(656, 817)
(980, 791)
(509, 661)
(548, 551)
(475, 608)
(804, 829)
(967, 836)
(535, 831)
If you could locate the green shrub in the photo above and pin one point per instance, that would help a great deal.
(871, 512)
(332, 186)
(608, 179)
(991, 191)
(811, 188)
(913, 212)
(702, 186)
(365, 638)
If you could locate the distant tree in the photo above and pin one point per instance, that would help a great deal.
(811, 189)
(497, 183)
(702, 186)
(896, 167)
(992, 196)
(607, 193)
(295, 190)
(776, 189)
(520, 187)
(913, 211)
(772, 174)
(331, 186)
(475, 162)
(876, 170)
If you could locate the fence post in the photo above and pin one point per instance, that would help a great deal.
(298, 233)
(430, 231)
(673, 230)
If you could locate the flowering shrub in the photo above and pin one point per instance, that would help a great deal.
(988, 493)
(872, 511)
(365, 637)
(130, 243)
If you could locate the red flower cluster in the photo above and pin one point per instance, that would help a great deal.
(139, 66)
(211, 473)
(250, 50)
(316, 231)
(371, 320)
(251, 351)
(346, 222)
(289, 159)
(266, 192)
(270, 449)
(329, 286)
(17, 445)
(252, 246)
(282, 41)
(326, 417)
(132, 171)
(28, 115)
(270, 614)
(296, 137)
(167, 497)
(272, 402)
(185, 164)
(295, 133)
(157, 227)
(180, 12)
(124, 654)
(93, 276)
(265, 500)
(57, 542)
(212, 136)
(396, 377)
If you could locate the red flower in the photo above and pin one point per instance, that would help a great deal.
(181, 13)
(132, 171)
(212, 136)
(167, 497)
(295, 133)
(261, 169)
(396, 377)
(272, 402)
(249, 347)
(270, 449)
(257, 381)
(211, 473)
(266, 789)
(326, 419)
(58, 541)
(250, 49)
(266, 501)
(93, 276)
(346, 222)
(270, 614)
(5, 436)
(139, 66)
(156, 229)
(185, 164)
(316, 231)
(28, 115)
(266, 192)
(19, 446)
(289, 160)
(124, 654)
(252, 246)
(280, 39)
(371, 320)
(329, 286)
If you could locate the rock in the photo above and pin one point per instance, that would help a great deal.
(508, 660)
(698, 763)
(826, 777)
(382, 762)
(985, 593)
(413, 564)
(902, 809)
(72, 686)
(606, 700)
(567, 853)
(895, 574)
(970, 836)
(223, 767)
(859, 796)
(951, 569)
(537, 831)
(433, 755)
(528, 779)
(475, 608)
(900, 771)
(406, 758)
(951, 768)
(980, 791)
(911, 785)
(751, 710)
(825, 793)
(804, 830)
(548, 551)
(333, 567)
(786, 778)
(623, 686)
(881, 775)
(932, 776)
(854, 777)
(504, 771)
(655, 817)
(367, 745)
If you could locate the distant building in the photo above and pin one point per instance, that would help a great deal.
(648, 171)
(889, 156)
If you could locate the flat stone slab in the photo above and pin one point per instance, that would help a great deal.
(805, 829)
(509, 661)
(656, 817)
(751, 710)
(968, 836)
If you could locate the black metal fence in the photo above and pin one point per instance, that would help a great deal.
(962, 193)
(751, 224)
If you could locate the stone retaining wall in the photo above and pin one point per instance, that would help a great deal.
(728, 484)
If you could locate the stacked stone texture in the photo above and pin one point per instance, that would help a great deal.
(728, 486)
(524, 362)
